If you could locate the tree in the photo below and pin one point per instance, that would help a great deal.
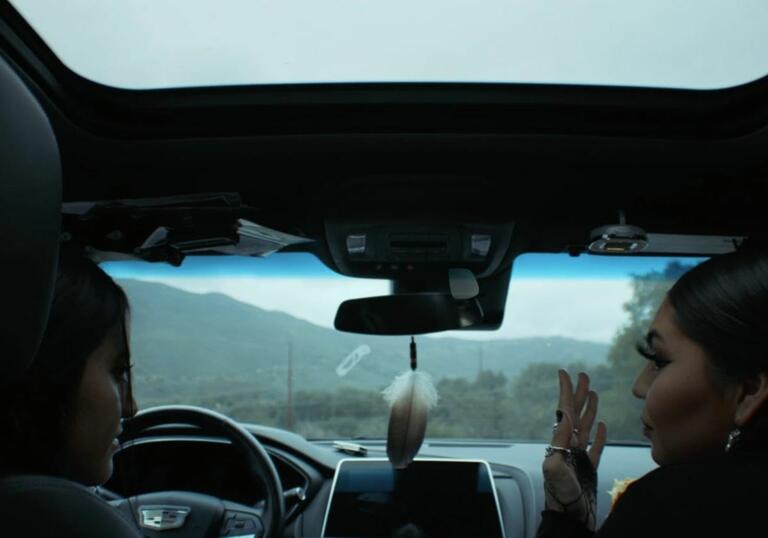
(618, 407)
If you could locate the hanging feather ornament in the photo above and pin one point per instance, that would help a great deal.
(410, 396)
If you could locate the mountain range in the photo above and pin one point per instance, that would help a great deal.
(187, 346)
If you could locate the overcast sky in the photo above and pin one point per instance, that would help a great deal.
(166, 43)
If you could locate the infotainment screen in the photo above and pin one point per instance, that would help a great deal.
(429, 498)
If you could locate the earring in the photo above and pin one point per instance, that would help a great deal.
(732, 438)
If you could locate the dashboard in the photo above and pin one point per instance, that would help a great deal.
(177, 459)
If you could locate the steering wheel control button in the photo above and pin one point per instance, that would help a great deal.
(163, 518)
(241, 525)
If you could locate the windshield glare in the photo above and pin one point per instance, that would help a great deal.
(253, 338)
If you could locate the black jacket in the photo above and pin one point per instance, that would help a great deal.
(726, 496)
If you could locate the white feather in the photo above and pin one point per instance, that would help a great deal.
(410, 396)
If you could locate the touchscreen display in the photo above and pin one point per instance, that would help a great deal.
(429, 498)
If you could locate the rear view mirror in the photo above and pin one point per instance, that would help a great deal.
(407, 314)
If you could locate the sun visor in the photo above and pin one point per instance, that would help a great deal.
(167, 229)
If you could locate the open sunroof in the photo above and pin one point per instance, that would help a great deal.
(144, 44)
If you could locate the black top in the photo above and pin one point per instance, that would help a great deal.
(727, 496)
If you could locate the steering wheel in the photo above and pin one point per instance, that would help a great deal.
(194, 515)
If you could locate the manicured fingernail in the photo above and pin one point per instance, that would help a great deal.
(559, 415)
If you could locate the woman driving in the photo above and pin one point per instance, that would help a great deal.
(64, 417)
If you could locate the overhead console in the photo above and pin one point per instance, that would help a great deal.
(445, 276)
(402, 250)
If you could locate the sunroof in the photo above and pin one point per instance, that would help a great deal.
(142, 44)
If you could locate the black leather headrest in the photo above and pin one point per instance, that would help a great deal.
(30, 220)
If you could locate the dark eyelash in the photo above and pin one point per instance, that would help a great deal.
(642, 349)
(123, 370)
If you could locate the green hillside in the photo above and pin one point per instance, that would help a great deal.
(188, 345)
(213, 351)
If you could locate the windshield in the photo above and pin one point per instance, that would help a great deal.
(253, 338)
(142, 44)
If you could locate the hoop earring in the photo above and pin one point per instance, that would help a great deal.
(733, 437)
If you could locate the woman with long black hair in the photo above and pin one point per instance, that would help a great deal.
(704, 387)
(63, 418)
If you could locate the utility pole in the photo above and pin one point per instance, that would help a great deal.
(289, 406)
(479, 359)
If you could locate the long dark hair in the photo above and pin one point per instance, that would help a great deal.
(36, 411)
(722, 304)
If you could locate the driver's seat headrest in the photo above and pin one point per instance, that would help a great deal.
(30, 220)
(43, 506)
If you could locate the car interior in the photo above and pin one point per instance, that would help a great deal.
(282, 243)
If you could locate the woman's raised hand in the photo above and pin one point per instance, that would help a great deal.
(570, 469)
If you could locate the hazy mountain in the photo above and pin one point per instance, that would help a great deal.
(194, 344)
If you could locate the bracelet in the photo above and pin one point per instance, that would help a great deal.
(552, 449)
